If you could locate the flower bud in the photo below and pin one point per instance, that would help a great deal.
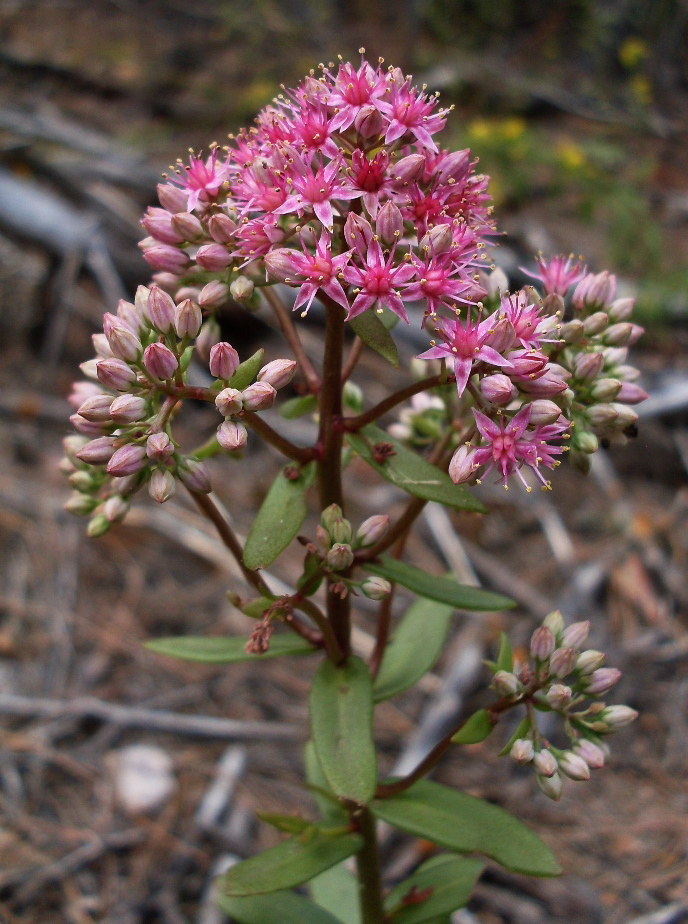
(506, 683)
(72, 444)
(127, 460)
(368, 121)
(522, 751)
(591, 753)
(159, 447)
(81, 392)
(545, 763)
(372, 530)
(594, 290)
(544, 386)
(128, 484)
(213, 295)
(389, 225)
(322, 538)
(259, 396)
(115, 374)
(575, 634)
(158, 223)
(605, 389)
(555, 622)
(542, 643)
(572, 331)
(551, 786)
(499, 389)
(559, 696)
(187, 319)
(241, 289)
(171, 197)
(81, 505)
(229, 402)
(213, 257)
(543, 412)
(602, 416)
(621, 309)
(91, 428)
(562, 662)
(585, 441)
(232, 435)
(224, 361)
(278, 373)
(116, 508)
(194, 475)
(437, 240)
(97, 408)
(128, 409)
(357, 232)
(589, 661)
(340, 557)
(409, 169)
(208, 336)
(123, 343)
(600, 681)
(617, 717)
(162, 485)
(462, 466)
(596, 323)
(98, 451)
(376, 588)
(98, 526)
(280, 265)
(221, 228)
(329, 517)
(625, 416)
(83, 481)
(160, 361)
(160, 309)
(574, 766)
(164, 257)
(619, 334)
(588, 366)
(630, 393)
(187, 226)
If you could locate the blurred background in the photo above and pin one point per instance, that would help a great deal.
(578, 110)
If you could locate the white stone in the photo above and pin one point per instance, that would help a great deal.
(143, 777)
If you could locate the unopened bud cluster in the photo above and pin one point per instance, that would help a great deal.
(336, 543)
(564, 677)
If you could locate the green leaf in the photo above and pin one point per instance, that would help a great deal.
(442, 589)
(212, 650)
(373, 332)
(279, 518)
(522, 730)
(341, 709)
(256, 608)
(476, 728)
(328, 804)
(298, 407)
(411, 472)
(451, 879)
(505, 657)
(336, 890)
(290, 824)
(289, 864)
(247, 371)
(275, 908)
(468, 825)
(414, 648)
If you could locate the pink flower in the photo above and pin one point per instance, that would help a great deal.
(370, 176)
(558, 273)
(530, 328)
(410, 111)
(352, 90)
(465, 344)
(316, 191)
(201, 179)
(318, 271)
(440, 281)
(378, 282)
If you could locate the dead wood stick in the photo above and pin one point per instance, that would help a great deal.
(203, 726)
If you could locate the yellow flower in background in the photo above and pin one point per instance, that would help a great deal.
(641, 88)
(512, 128)
(632, 52)
(570, 155)
(480, 129)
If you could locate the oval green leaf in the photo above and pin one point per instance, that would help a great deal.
(414, 648)
(475, 729)
(341, 709)
(289, 864)
(442, 589)
(451, 879)
(279, 518)
(374, 334)
(328, 804)
(463, 823)
(275, 908)
(336, 890)
(247, 371)
(225, 650)
(411, 472)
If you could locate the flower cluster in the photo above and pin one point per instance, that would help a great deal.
(563, 678)
(334, 550)
(123, 411)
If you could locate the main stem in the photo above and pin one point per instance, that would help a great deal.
(368, 868)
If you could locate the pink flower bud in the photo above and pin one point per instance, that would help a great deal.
(224, 361)
(600, 681)
(621, 309)
(438, 240)
(368, 122)
(162, 485)
(160, 309)
(241, 289)
(101, 346)
(278, 373)
(389, 225)
(96, 408)
(376, 588)
(115, 374)
(625, 416)
(462, 466)
(555, 622)
(498, 389)
(630, 393)
(72, 444)
(602, 415)
(171, 197)
(588, 366)
(213, 295)
(221, 228)
(81, 505)
(545, 386)
(98, 451)
(213, 257)
(127, 460)
(543, 412)
(572, 331)
(128, 484)
(194, 475)
(229, 402)
(187, 226)
(454, 166)
(594, 290)
(259, 396)
(409, 169)
(357, 232)
(123, 343)
(589, 661)
(90, 427)
(542, 643)
(372, 530)
(208, 336)
(232, 435)
(605, 389)
(116, 508)
(160, 361)
(596, 323)
(562, 662)
(526, 363)
(506, 683)
(574, 766)
(619, 334)
(545, 763)
(575, 634)
(280, 264)
(636, 333)
(617, 717)
(168, 282)
(158, 223)
(591, 753)
(187, 319)
(522, 751)
(340, 557)
(81, 391)
(164, 257)
(559, 696)
(129, 315)
(551, 786)
(159, 447)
